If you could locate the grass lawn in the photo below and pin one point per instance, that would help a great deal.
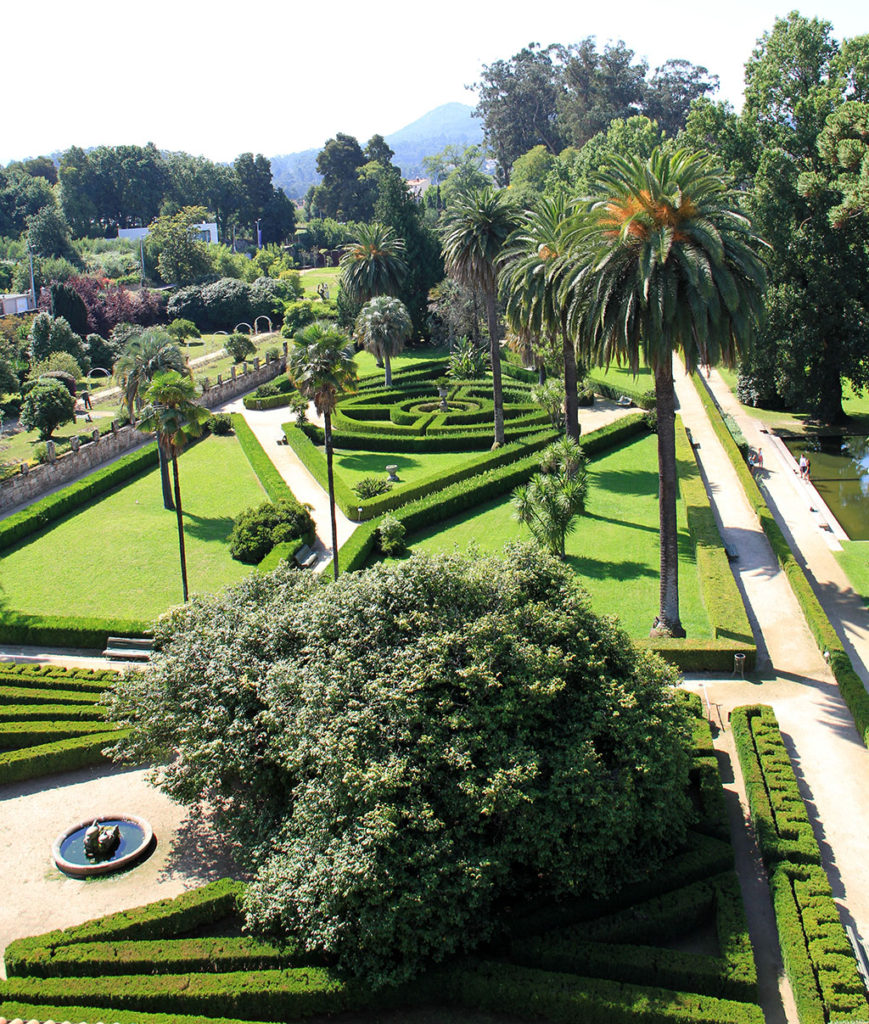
(413, 357)
(352, 466)
(320, 275)
(223, 364)
(119, 555)
(854, 560)
(614, 548)
(621, 375)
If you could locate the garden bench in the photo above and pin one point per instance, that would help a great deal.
(306, 557)
(125, 648)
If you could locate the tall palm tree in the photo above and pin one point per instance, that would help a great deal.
(374, 264)
(322, 367)
(383, 326)
(479, 224)
(172, 413)
(668, 265)
(145, 355)
(534, 269)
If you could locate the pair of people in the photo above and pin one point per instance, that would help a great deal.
(755, 460)
(805, 468)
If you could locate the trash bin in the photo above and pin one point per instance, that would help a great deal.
(739, 665)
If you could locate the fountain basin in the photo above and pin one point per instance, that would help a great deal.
(136, 836)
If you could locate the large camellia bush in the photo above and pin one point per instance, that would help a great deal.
(397, 753)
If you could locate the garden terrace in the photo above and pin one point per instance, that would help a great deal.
(609, 961)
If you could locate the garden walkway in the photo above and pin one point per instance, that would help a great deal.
(830, 761)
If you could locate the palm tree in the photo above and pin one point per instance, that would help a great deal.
(668, 265)
(533, 275)
(552, 499)
(374, 264)
(383, 326)
(144, 356)
(322, 368)
(479, 224)
(172, 413)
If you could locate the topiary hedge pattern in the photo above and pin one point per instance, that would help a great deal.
(145, 966)
(51, 720)
(817, 955)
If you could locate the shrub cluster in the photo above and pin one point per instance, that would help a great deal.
(818, 958)
(257, 530)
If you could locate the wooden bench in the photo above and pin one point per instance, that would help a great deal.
(127, 648)
(306, 557)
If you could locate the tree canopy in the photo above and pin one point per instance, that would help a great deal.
(395, 753)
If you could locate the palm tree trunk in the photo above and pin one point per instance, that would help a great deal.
(571, 400)
(165, 483)
(327, 432)
(178, 513)
(541, 372)
(495, 355)
(387, 363)
(668, 623)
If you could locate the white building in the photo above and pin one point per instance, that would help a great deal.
(206, 232)
(20, 303)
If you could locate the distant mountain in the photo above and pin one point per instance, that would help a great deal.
(449, 124)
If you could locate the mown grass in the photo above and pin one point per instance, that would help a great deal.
(119, 556)
(614, 549)
(854, 560)
(413, 357)
(353, 466)
(320, 275)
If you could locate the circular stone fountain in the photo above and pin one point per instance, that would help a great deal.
(101, 845)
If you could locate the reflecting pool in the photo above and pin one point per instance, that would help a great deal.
(840, 473)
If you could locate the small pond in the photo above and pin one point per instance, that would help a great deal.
(135, 840)
(840, 473)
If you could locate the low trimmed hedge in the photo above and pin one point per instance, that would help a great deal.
(66, 631)
(817, 955)
(46, 1012)
(273, 483)
(644, 399)
(35, 712)
(50, 675)
(283, 552)
(163, 919)
(566, 998)
(60, 756)
(268, 402)
(349, 502)
(849, 682)
(48, 510)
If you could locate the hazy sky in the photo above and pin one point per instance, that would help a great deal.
(276, 76)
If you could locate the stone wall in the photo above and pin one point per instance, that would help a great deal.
(37, 481)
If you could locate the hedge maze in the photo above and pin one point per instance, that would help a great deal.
(597, 961)
(51, 720)
(817, 955)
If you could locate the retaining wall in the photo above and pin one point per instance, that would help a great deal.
(37, 481)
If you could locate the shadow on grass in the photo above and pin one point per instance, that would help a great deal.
(598, 569)
(207, 527)
(377, 462)
(627, 481)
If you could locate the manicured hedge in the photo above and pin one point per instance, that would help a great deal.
(282, 552)
(273, 483)
(47, 1012)
(61, 756)
(850, 684)
(817, 955)
(31, 712)
(567, 999)
(48, 510)
(52, 675)
(268, 402)
(643, 399)
(349, 502)
(66, 631)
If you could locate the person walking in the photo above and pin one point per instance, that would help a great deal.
(804, 462)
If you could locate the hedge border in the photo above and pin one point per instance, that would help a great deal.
(817, 955)
(849, 682)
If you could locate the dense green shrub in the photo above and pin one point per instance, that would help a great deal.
(256, 530)
(220, 424)
(47, 405)
(372, 486)
(239, 346)
(390, 535)
(404, 808)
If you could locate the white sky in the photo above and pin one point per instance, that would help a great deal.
(276, 76)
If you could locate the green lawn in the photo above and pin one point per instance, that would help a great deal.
(320, 275)
(352, 466)
(412, 357)
(615, 547)
(119, 556)
(854, 560)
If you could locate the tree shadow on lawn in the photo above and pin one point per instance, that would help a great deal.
(598, 569)
(627, 481)
(377, 462)
(208, 527)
